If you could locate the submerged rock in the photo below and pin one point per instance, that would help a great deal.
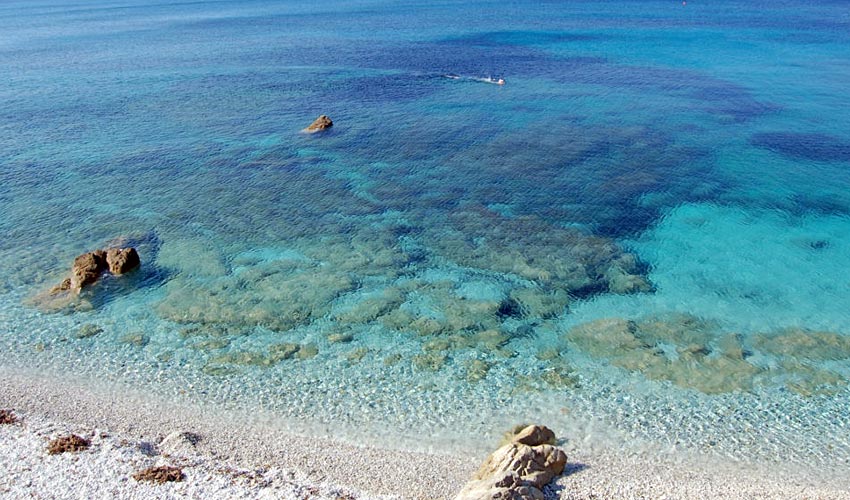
(431, 361)
(280, 352)
(88, 330)
(278, 295)
(323, 122)
(476, 369)
(307, 351)
(340, 338)
(191, 256)
(357, 355)
(696, 354)
(560, 261)
(537, 303)
(805, 344)
(519, 469)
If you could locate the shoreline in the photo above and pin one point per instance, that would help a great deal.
(283, 464)
(234, 439)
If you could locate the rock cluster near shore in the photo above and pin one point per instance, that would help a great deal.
(518, 470)
(89, 267)
(100, 464)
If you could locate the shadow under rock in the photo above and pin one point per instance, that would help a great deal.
(554, 490)
(573, 468)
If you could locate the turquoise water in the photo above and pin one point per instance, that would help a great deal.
(640, 239)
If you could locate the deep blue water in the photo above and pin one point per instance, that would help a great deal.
(649, 218)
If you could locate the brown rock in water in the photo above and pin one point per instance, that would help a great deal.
(71, 443)
(7, 417)
(122, 260)
(518, 470)
(321, 123)
(160, 474)
(87, 268)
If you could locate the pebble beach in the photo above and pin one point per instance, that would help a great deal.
(234, 456)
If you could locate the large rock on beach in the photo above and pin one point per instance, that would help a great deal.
(519, 469)
(321, 123)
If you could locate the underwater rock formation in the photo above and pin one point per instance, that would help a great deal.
(323, 122)
(519, 469)
(284, 287)
(696, 354)
(278, 295)
(555, 258)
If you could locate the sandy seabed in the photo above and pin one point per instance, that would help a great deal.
(233, 456)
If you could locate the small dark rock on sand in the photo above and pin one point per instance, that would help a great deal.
(7, 417)
(160, 474)
(71, 443)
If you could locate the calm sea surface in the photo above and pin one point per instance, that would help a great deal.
(642, 239)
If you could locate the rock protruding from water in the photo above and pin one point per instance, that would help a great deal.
(89, 267)
(122, 260)
(519, 469)
(321, 123)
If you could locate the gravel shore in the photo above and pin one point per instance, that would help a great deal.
(229, 456)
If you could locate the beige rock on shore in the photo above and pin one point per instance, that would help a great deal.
(518, 470)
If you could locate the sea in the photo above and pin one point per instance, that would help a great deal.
(641, 238)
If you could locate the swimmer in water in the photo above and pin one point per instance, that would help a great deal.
(501, 81)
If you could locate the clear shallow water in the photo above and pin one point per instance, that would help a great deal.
(640, 238)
